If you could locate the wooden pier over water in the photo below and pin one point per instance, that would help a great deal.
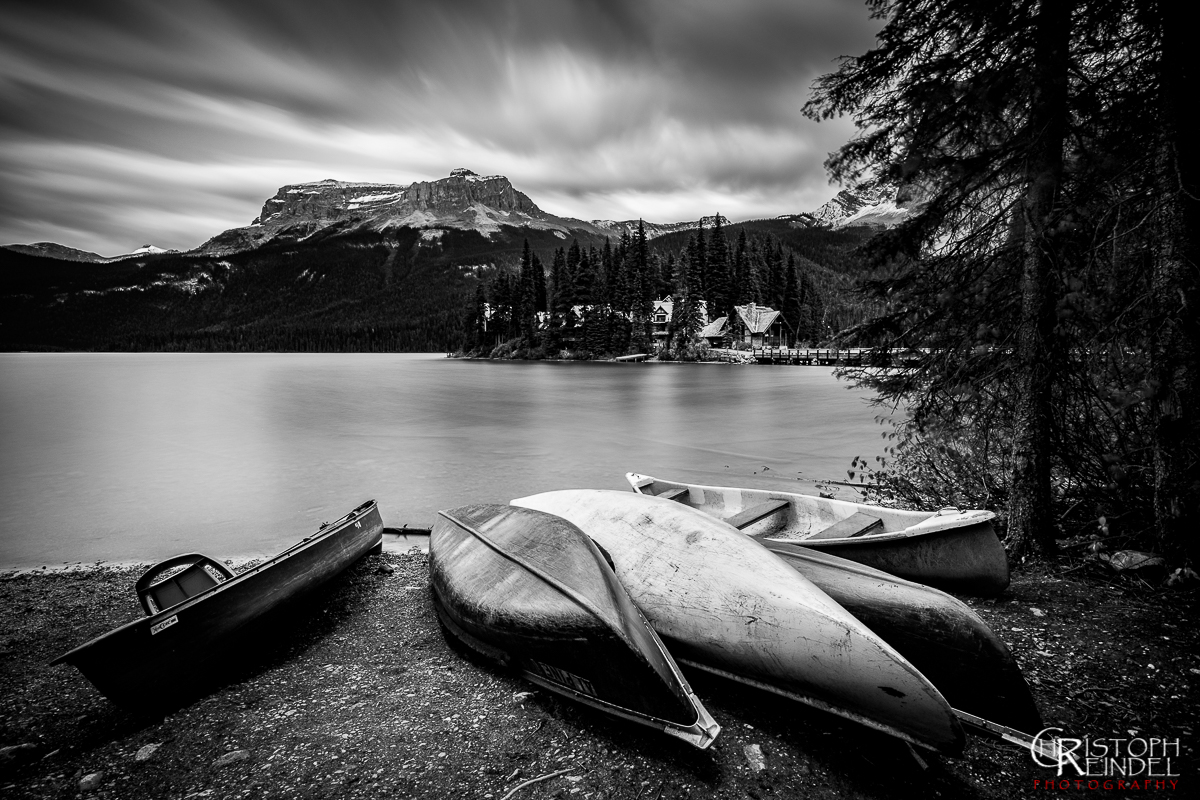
(809, 356)
(813, 356)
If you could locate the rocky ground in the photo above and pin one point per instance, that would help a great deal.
(359, 695)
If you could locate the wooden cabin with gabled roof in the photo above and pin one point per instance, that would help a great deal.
(716, 333)
(757, 326)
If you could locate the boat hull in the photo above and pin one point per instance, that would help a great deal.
(722, 602)
(532, 593)
(938, 634)
(957, 552)
(161, 660)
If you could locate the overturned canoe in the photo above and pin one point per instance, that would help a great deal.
(723, 603)
(198, 610)
(532, 592)
(953, 550)
(938, 634)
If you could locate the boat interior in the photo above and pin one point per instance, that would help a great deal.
(775, 510)
(177, 579)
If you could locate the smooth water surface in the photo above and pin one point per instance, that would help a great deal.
(139, 456)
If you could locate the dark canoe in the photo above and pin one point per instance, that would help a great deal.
(198, 617)
(938, 634)
(531, 592)
(957, 551)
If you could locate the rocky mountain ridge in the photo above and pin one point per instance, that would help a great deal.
(880, 207)
(463, 201)
(656, 229)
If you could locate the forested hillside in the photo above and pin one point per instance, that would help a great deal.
(406, 291)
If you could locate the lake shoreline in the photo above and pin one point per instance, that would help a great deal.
(364, 697)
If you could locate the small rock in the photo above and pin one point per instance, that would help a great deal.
(146, 751)
(231, 757)
(90, 781)
(520, 697)
(1037, 612)
(385, 569)
(754, 757)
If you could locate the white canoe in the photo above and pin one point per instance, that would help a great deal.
(953, 550)
(722, 602)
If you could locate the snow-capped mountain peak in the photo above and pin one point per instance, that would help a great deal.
(873, 207)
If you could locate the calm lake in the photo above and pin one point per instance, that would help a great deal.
(138, 456)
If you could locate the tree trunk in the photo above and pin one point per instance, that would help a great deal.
(1176, 287)
(1030, 521)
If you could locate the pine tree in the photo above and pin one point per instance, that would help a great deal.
(668, 285)
(475, 320)
(526, 305)
(559, 303)
(644, 280)
(686, 317)
(717, 280)
(574, 272)
(790, 305)
(745, 276)
(538, 275)
(773, 294)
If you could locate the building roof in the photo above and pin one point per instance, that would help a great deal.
(757, 319)
(714, 328)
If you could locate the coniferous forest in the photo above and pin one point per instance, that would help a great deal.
(1050, 282)
(596, 301)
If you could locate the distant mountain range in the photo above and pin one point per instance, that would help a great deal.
(464, 201)
(64, 253)
(340, 266)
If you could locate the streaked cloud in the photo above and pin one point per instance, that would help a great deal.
(128, 121)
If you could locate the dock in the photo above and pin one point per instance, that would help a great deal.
(819, 356)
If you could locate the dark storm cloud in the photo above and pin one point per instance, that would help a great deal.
(127, 122)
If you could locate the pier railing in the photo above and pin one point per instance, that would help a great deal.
(820, 356)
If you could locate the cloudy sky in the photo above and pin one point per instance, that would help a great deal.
(125, 122)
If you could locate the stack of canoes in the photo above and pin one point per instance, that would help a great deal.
(557, 585)
(725, 604)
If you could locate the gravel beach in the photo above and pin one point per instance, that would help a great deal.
(359, 695)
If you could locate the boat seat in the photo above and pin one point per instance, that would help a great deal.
(748, 516)
(857, 524)
(199, 574)
(673, 494)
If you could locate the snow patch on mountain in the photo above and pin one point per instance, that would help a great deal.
(881, 207)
